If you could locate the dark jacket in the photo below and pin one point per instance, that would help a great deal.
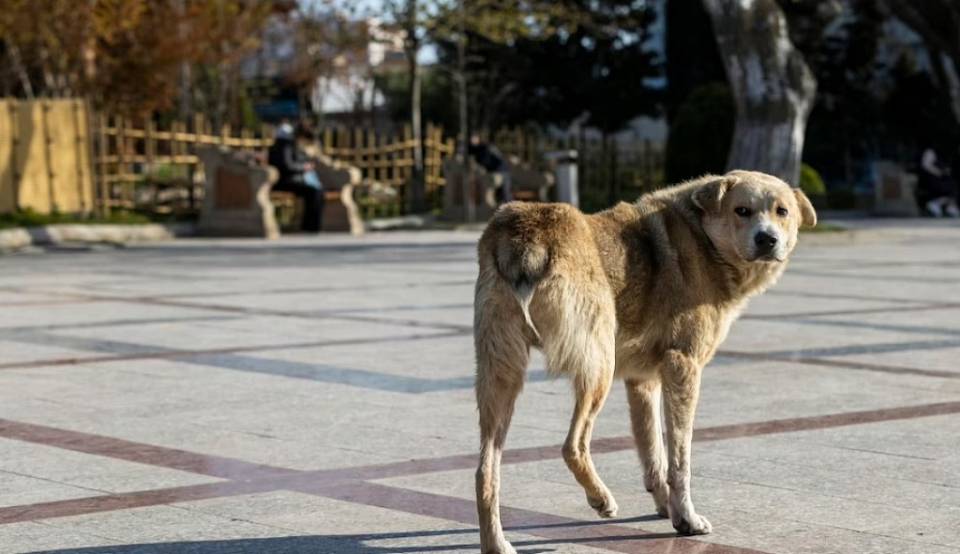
(488, 157)
(289, 161)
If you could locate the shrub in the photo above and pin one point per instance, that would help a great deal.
(810, 182)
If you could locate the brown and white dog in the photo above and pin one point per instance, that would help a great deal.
(645, 292)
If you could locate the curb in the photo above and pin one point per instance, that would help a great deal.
(23, 237)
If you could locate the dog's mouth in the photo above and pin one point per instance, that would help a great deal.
(770, 258)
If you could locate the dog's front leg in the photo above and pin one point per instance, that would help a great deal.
(644, 399)
(681, 389)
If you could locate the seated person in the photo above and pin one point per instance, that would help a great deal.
(490, 158)
(936, 189)
(297, 174)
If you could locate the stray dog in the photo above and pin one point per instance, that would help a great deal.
(645, 292)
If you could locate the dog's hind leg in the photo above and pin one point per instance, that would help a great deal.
(502, 355)
(644, 399)
(588, 357)
(576, 449)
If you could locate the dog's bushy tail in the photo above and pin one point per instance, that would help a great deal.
(523, 264)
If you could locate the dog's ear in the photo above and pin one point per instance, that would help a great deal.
(808, 216)
(710, 195)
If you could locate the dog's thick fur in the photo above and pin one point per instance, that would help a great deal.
(645, 292)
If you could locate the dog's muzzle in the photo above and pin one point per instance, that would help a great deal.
(765, 246)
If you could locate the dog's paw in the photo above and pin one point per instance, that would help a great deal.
(502, 548)
(606, 506)
(661, 499)
(692, 524)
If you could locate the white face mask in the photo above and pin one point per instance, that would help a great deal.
(285, 130)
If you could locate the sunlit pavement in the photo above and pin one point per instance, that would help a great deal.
(315, 395)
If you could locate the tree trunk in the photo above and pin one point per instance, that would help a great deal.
(20, 70)
(412, 48)
(464, 139)
(772, 87)
(952, 83)
(185, 105)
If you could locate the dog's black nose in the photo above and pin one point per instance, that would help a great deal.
(765, 241)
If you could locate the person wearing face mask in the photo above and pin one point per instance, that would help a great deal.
(297, 174)
(491, 159)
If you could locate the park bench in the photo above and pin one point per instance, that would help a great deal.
(341, 183)
(526, 183)
(238, 200)
(894, 190)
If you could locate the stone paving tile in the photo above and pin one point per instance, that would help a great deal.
(85, 312)
(347, 523)
(928, 292)
(785, 337)
(406, 357)
(773, 534)
(862, 319)
(16, 352)
(18, 490)
(736, 502)
(379, 300)
(772, 306)
(164, 524)
(94, 473)
(32, 536)
(8, 298)
(219, 334)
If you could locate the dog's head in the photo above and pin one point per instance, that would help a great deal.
(752, 217)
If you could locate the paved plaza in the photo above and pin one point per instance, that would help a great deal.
(314, 395)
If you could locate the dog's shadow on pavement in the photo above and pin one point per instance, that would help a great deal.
(401, 542)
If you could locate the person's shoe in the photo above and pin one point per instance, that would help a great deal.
(934, 208)
(952, 210)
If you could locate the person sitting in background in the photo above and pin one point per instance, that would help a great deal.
(490, 158)
(297, 173)
(936, 189)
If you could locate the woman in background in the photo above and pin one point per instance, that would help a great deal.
(297, 173)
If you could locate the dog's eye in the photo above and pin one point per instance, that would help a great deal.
(741, 211)
(782, 212)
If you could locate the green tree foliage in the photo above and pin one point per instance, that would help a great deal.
(692, 58)
(871, 105)
(936, 22)
(579, 57)
(700, 134)
(126, 55)
(437, 94)
(918, 112)
(847, 120)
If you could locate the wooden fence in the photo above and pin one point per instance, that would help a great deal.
(57, 156)
(141, 166)
(45, 156)
(388, 159)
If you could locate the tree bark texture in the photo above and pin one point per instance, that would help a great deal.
(464, 139)
(412, 48)
(952, 83)
(772, 86)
